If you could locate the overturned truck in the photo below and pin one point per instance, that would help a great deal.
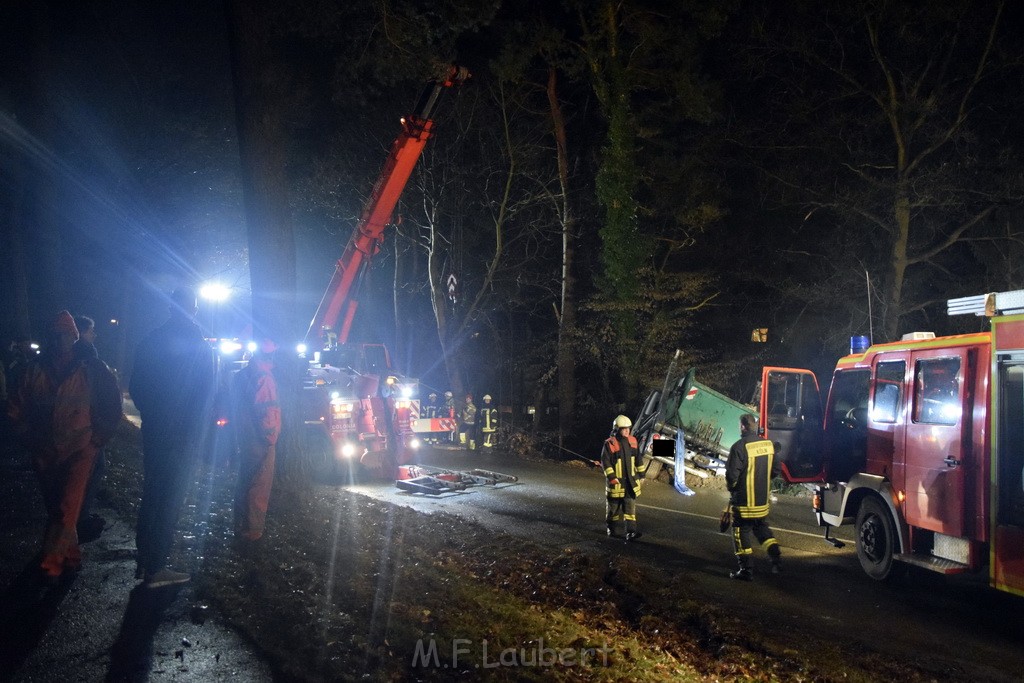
(688, 426)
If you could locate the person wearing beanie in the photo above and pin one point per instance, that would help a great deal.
(64, 410)
(172, 385)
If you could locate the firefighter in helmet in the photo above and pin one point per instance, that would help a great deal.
(430, 411)
(748, 476)
(488, 419)
(624, 468)
(467, 426)
(448, 410)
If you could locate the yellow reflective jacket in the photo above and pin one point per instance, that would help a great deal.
(623, 462)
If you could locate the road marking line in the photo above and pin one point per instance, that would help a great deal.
(694, 514)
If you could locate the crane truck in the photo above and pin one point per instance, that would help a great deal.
(352, 390)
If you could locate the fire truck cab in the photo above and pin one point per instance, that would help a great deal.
(920, 446)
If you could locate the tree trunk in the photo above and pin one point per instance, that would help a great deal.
(897, 268)
(260, 92)
(567, 319)
(438, 293)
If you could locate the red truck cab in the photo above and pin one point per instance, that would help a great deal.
(920, 445)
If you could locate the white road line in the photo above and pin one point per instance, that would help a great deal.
(774, 528)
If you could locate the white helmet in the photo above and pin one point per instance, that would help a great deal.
(447, 394)
(622, 421)
(432, 395)
(487, 397)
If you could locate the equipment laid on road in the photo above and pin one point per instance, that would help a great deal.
(434, 481)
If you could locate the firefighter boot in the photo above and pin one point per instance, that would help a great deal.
(472, 444)
(743, 573)
(776, 557)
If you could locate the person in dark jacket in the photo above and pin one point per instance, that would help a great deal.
(624, 468)
(257, 421)
(65, 408)
(748, 476)
(172, 386)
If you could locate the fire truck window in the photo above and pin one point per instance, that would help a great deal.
(1011, 443)
(889, 380)
(887, 401)
(937, 391)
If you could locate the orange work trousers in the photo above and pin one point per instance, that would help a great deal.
(63, 481)
(255, 479)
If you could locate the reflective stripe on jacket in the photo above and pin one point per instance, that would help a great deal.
(489, 417)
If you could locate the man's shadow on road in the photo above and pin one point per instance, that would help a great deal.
(131, 656)
(28, 607)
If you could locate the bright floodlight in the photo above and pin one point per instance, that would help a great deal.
(406, 392)
(301, 349)
(251, 347)
(229, 346)
(215, 291)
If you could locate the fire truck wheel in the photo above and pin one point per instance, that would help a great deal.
(876, 539)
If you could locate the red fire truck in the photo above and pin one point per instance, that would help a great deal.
(353, 389)
(920, 446)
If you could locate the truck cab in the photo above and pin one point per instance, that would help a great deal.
(920, 445)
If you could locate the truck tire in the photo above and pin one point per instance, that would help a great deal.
(876, 539)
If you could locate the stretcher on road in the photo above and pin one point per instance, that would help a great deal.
(434, 481)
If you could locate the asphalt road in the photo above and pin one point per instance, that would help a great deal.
(957, 626)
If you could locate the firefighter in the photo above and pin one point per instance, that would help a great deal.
(624, 468)
(467, 428)
(430, 411)
(448, 410)
(489, 423)
(748, 476)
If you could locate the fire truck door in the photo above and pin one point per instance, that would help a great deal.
(938, 428)
(1007, 566)
(791, 416)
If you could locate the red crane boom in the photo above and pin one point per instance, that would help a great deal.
(339, 299)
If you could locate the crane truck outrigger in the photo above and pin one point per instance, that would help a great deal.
(366, 408)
